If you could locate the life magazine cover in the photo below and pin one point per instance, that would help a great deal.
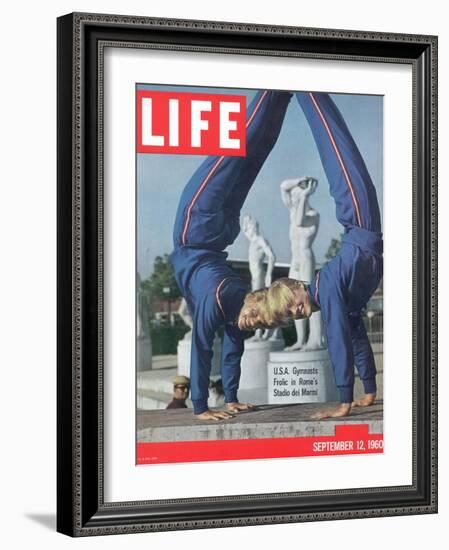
(259, 303)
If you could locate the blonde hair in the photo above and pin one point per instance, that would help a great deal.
(280, 298)
(252, 314)
(269, 307)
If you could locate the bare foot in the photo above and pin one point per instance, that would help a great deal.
(365, 401)
(312, 346)
(214, 415)
(294, 347)
(336, 412)
(237, 407)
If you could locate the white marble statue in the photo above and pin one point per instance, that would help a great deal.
(184, 313)
(185, 345)
(259, 252)
(141, 328)
(304, 223)
(143, 335)
(259, 249)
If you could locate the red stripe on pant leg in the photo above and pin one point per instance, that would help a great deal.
(317, 282)
(339, 157)
(217, 295)
(197, 194)
(210, 174)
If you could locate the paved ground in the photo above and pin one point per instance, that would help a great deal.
(164, 361)
(266, 421)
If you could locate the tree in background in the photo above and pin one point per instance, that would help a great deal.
(161, 284)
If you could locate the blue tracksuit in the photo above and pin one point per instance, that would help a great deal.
(207, 221)
(344, 285)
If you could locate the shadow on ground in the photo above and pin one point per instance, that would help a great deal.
(46, 520)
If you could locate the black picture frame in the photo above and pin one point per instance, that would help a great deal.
(81, 510)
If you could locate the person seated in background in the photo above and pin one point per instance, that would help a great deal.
(181, 388)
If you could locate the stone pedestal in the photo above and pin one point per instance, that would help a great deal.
(184, 349)
(300, 377)
(254, 362)
(144, 354)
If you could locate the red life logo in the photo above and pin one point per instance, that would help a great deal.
(191, 124)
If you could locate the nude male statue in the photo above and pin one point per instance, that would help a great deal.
(259, 250)
(304, 223)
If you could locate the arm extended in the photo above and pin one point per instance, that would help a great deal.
(339, 334)
(363, 354)
(286, 188)
(206, 320)
(304, 187)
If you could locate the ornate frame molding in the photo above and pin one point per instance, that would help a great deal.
(81, 42)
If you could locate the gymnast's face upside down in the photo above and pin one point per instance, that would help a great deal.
(286, 299)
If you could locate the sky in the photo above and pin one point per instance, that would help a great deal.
(161, 179)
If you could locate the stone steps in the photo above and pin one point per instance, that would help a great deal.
(159, 381)
(155, 389)
(152, 400)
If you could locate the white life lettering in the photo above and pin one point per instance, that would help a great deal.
(147, 125)
(197, 123)
(226, 125)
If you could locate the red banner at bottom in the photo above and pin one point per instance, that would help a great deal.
(349, 439)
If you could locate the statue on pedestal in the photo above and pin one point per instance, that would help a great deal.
(259, 251)
(143, 336)
(185, 345)
(304, 224)
(184, 313)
